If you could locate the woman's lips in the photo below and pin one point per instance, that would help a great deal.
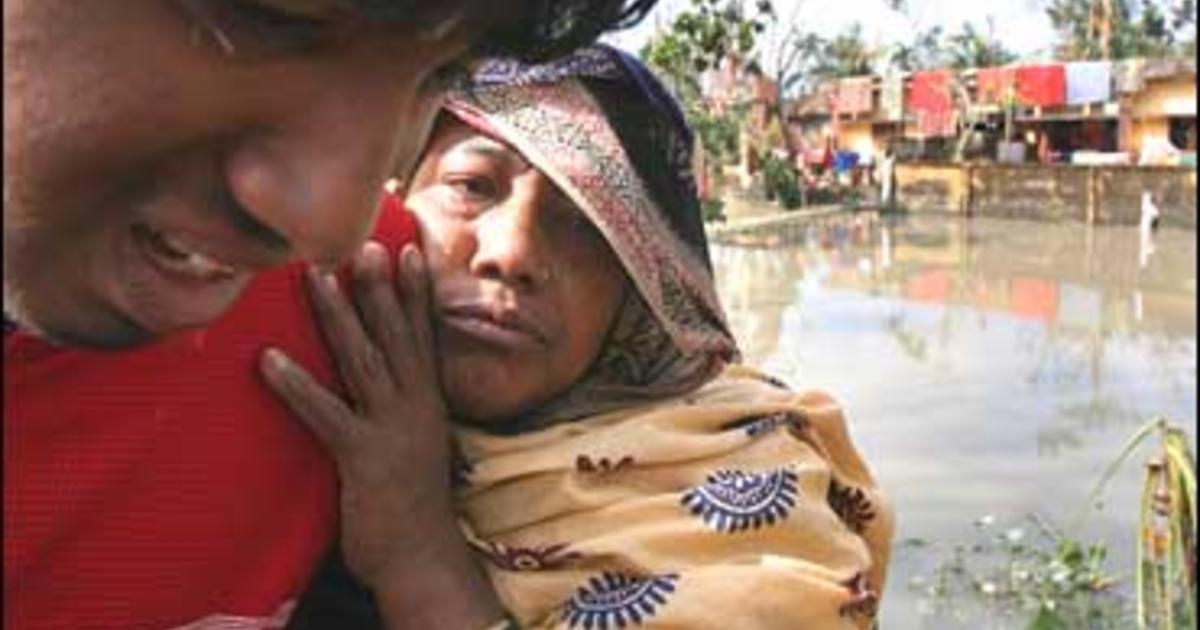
(504, 327)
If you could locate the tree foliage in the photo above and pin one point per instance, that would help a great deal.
(846, 54)
(969, 48)
(698, 39)
(814, 59)
(932, 48)
(1118, 29)
(923, 52)
(704, 34)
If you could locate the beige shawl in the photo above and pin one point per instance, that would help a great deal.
(739, 506)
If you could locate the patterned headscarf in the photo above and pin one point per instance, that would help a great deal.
(606, 132)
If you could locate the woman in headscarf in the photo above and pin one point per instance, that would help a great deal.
(613, 465)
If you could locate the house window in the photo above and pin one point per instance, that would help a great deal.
(1182, 132)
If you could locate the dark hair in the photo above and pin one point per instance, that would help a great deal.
(550, 28)
(544, 29)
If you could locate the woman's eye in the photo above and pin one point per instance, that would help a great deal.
(472, 188)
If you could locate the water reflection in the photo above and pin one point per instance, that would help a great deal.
(987, 366)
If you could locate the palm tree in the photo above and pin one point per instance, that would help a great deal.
(924, 52)
(1100, 23)
(1107, 29)
(1085, 27)
(971, 49)
(847, 54)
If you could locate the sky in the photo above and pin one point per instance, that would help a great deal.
(1021, 25)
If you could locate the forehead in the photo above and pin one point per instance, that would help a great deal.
(451, 135)
(452, 138)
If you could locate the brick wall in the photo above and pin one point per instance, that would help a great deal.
(931, 187)
(1029, 192)
(1104, 194)
(1119, 194)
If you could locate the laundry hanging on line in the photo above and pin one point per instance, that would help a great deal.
(930, 100)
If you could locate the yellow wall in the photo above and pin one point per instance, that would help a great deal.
(857, 136)
(932, 187)
(1175, 96)
(1162, 98)
(1146, 128)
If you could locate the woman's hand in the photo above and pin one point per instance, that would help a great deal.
(390, 441)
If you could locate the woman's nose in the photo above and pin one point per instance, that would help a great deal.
(313, 171)
(511, 241)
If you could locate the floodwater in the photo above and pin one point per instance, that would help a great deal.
(990, 369)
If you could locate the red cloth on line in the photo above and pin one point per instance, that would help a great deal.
(929, 98)
(993, 84)
(937, 124)
(1044, 85)
(165, 486)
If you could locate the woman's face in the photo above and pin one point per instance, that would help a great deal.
(525, 288)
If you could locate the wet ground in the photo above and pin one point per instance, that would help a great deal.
(988, 367)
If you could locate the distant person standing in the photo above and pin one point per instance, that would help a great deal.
(827, 156)
(1044, 150)
(887, 174)
(1146, 228)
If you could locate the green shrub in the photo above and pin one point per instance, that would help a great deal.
(781, 183)
(853, 199)
(819, 196)
(713, 209)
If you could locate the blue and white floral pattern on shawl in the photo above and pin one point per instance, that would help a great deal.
(615, 600)
(737, 500)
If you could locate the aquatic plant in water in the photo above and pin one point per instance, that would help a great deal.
(1012, 578)
(1057, 581)
(1166, 558)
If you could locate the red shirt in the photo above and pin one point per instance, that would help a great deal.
(166, 486)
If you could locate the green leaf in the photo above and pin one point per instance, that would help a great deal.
(1070, 553)
(1047, 620)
